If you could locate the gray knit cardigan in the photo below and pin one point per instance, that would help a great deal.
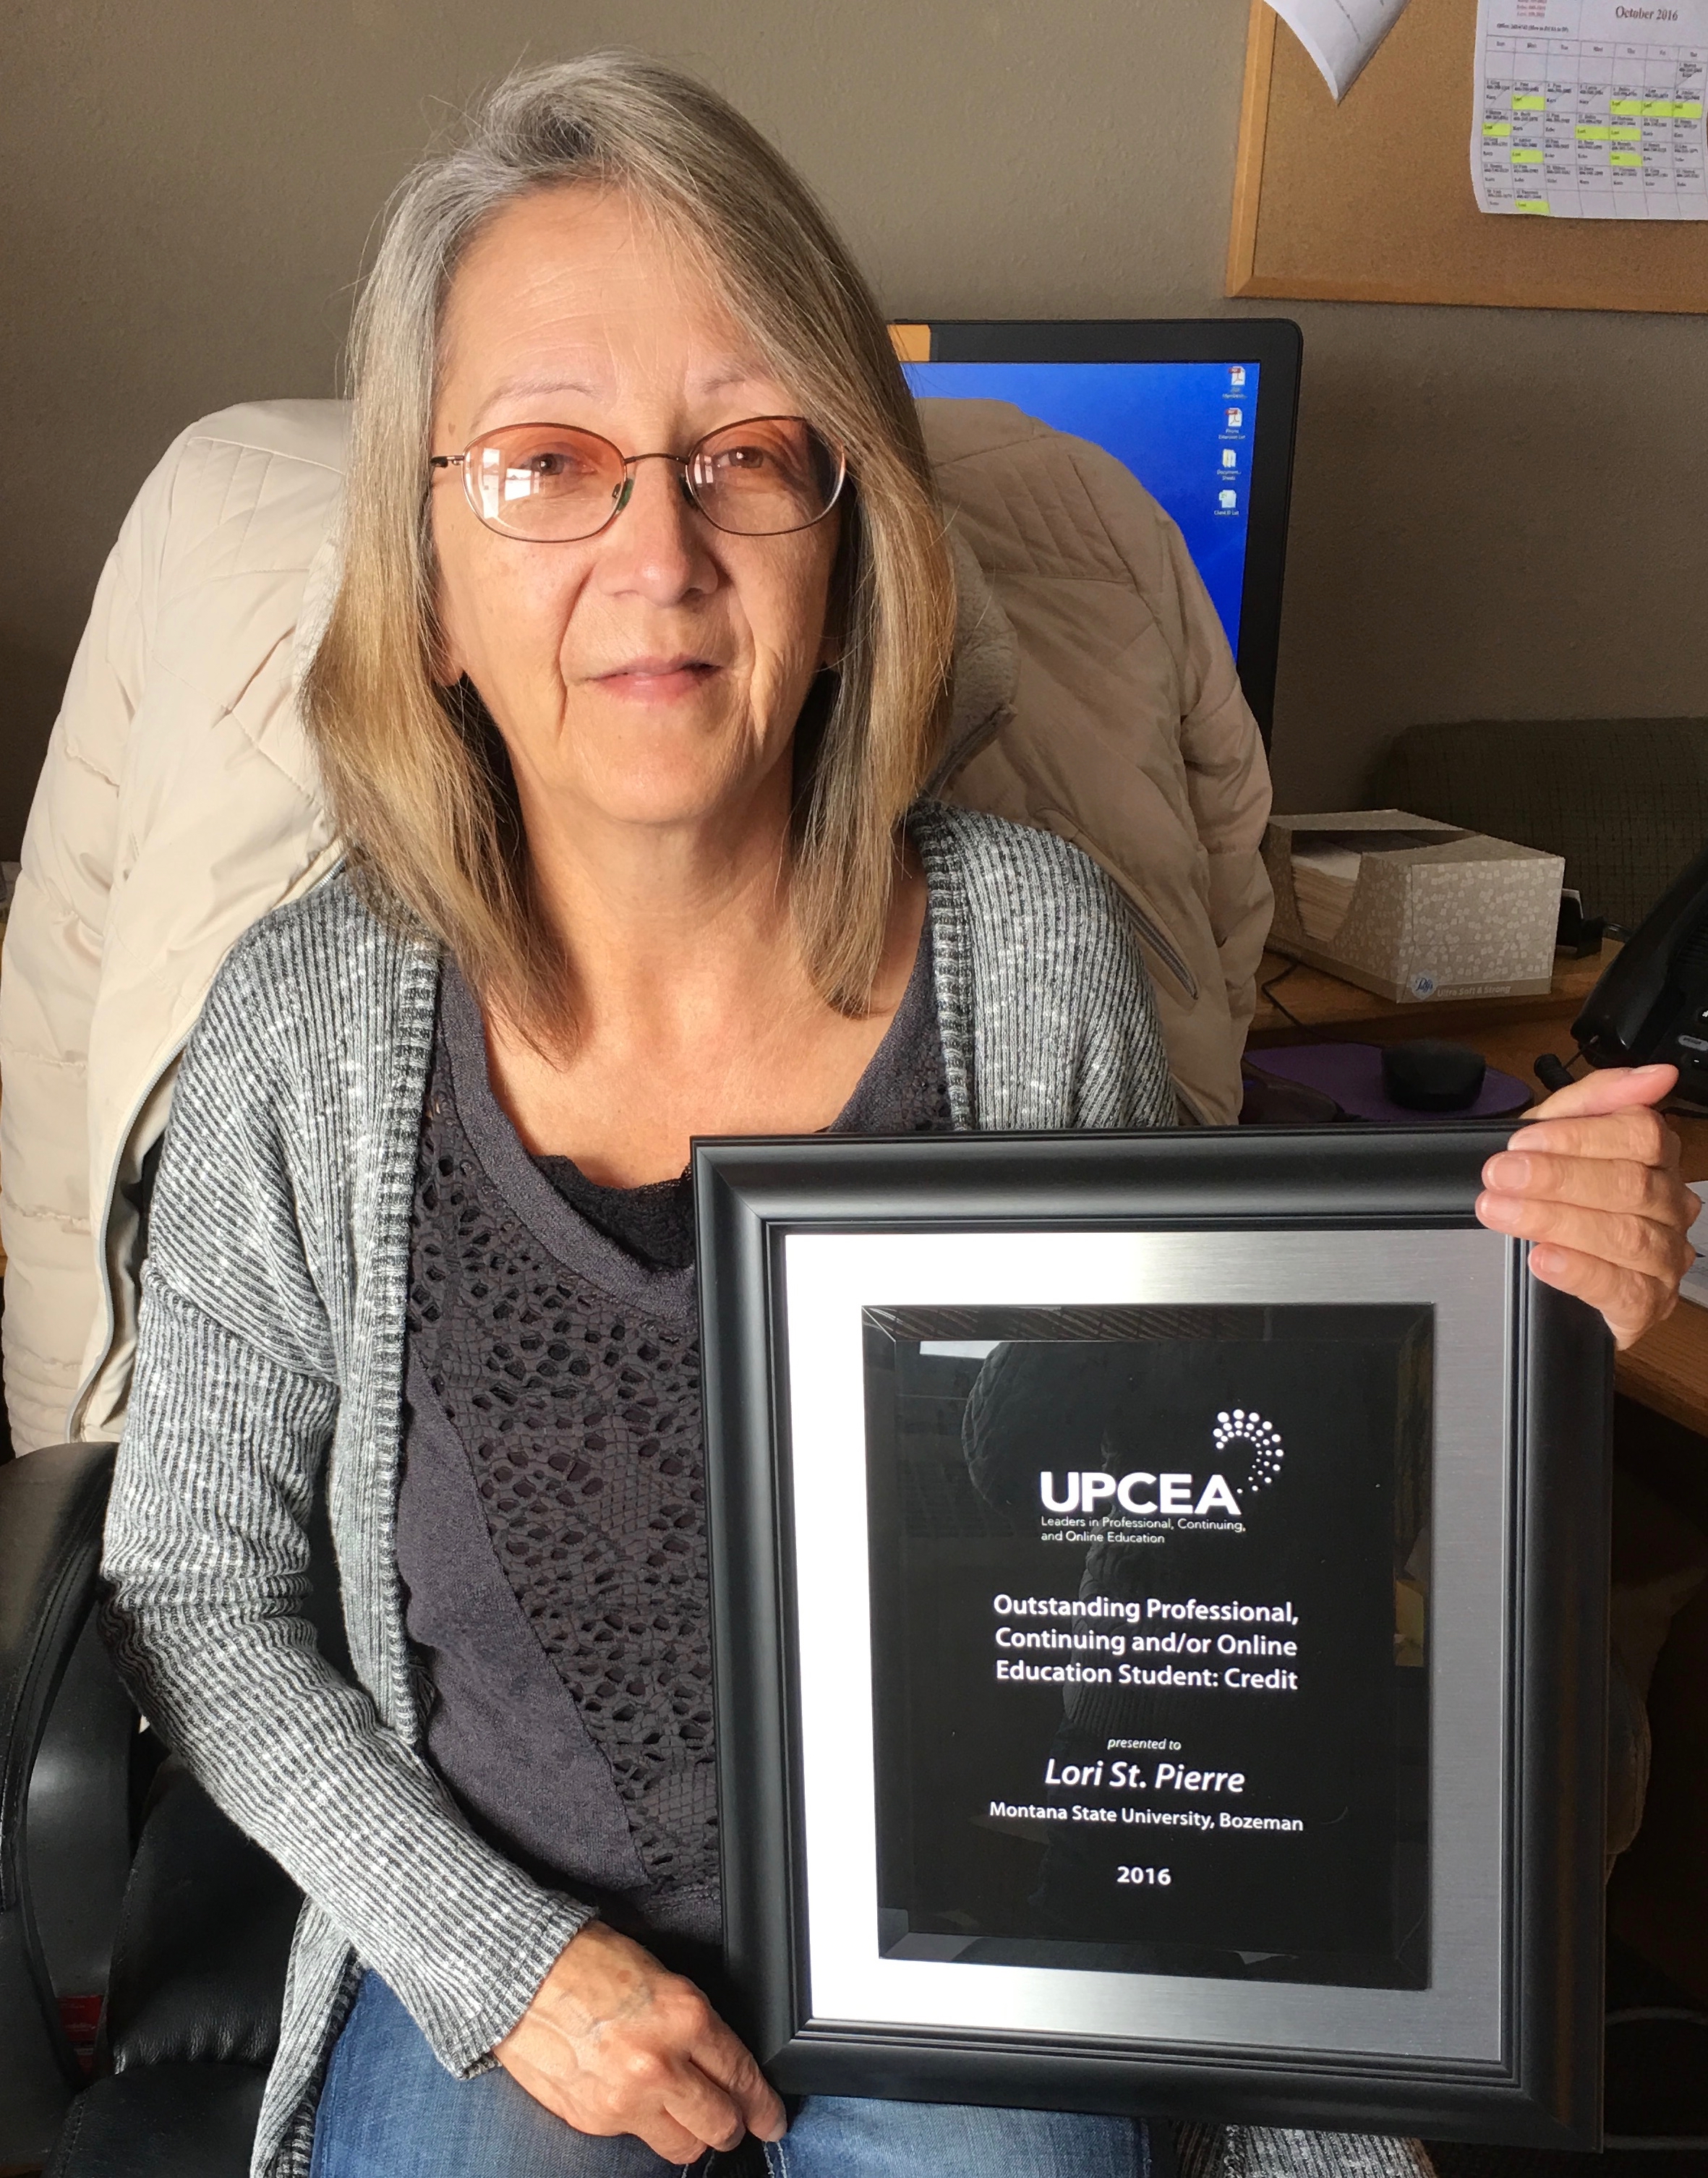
(271, 1350)
(271, 1347)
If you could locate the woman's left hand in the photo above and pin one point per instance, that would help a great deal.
(1592, 1179)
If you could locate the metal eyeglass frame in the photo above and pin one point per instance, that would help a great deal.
(681, 462)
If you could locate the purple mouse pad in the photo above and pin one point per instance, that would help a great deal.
(1351, 1074)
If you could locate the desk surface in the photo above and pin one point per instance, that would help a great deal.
(1327, 1010)
(1666, 1371)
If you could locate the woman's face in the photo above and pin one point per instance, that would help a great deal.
(651, 674)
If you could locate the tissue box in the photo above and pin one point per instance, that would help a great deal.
(1412, 909)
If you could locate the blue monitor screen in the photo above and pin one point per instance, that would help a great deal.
(1185, 430)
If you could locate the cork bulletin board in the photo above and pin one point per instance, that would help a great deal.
(1371, 202)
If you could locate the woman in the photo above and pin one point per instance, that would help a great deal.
(629, 688)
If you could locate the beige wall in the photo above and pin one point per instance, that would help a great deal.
(1497, 514)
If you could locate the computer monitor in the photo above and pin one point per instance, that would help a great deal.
(1203, 412)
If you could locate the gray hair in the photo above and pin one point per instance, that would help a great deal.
(423, 799)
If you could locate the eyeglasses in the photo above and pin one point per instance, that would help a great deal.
(553, 484)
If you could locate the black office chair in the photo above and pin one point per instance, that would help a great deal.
(199, 1955)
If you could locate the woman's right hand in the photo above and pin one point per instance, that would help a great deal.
(614, 2043)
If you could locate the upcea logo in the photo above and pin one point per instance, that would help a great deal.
(1088, 1492)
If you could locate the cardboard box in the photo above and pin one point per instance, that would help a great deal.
(1411, 909)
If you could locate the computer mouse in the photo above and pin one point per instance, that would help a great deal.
(1426, 1075)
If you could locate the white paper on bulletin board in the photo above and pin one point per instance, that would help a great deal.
(1591, 109)
(1340, 35)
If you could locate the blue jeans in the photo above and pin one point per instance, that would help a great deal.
(389, 2109)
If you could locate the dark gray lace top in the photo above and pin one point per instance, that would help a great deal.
(550, 1523)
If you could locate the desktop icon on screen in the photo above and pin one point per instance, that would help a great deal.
(1230, 458)
(1229, 501)
(1236, 375)
(1236, 419)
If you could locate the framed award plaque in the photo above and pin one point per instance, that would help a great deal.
(1159, 1590)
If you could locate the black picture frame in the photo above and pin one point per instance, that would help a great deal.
(1539, 2082)
(1275, 344)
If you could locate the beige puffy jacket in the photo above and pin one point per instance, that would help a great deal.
(1095, 695)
